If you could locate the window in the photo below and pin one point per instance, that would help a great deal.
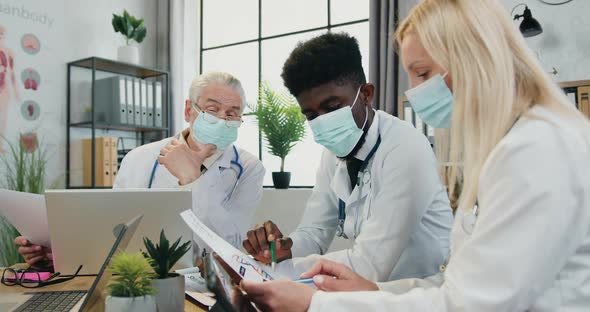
(251, 39)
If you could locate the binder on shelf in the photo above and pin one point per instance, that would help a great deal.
(129, 92)
(143, 103)
(150, 104)
(137, 102)
(584, 100)
(409, 114)
(158, 104)
(122, 100)
(419, 124)
(113, 159)
(572, 95)
(110, 100)
(429, 131)
(102, 162)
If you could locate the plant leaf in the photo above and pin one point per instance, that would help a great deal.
(140, 33)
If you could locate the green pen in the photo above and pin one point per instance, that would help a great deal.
(273, 254)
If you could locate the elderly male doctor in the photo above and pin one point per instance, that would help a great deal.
(226, 181)
(377, 183)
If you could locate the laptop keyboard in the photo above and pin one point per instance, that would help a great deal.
(52, 301)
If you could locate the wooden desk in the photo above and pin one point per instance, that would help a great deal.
(78, 283)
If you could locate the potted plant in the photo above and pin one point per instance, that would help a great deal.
(131, 289)
(169, 286)
(132, 29)
(282, 125)
(23, 171)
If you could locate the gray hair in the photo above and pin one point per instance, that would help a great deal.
(216, 78)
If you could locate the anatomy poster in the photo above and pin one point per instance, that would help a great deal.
(32, 72)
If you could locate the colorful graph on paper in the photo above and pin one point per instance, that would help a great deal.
(246, 267)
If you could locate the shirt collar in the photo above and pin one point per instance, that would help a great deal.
(211, 159)
(370, 139)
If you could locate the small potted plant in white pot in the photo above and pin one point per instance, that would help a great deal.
(133, 29)
(131, 288)
(169, 285)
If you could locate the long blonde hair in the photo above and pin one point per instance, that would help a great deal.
(496, 78)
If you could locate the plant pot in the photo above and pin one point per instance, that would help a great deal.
(170, 293)
(281, 179)
(128, 54)
(130, 304)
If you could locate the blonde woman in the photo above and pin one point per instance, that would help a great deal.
(525, 153)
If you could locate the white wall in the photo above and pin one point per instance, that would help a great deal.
(564, 43)
(70, 30)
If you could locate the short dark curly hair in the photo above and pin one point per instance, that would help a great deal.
(326, 58)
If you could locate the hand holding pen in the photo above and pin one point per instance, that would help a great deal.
(333, 276)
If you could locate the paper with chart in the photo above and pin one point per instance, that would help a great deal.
(27, 213)
(242, 264)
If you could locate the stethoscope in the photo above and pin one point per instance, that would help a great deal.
(361, 181)
(235, 162)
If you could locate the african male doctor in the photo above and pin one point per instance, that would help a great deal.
(377, 183)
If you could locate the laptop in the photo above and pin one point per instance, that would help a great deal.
(82, 300)
(80, 221)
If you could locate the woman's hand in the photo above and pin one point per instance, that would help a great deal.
(280, 295)
(332, 276)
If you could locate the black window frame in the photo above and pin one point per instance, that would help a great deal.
(260, 38)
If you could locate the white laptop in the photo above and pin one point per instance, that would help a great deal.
(91, 300)
(80, 223)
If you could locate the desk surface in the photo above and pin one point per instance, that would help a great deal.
(78, 283)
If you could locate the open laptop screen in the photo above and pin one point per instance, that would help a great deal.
(123, 232)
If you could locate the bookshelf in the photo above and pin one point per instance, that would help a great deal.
(108, 99)
(406, 112)
(579, 93)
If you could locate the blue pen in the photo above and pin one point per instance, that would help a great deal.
(305, 280)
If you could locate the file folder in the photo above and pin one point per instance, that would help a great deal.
(102, 162)
(113, 159)
(129, 92)
(143, 109)
(122, 107)
(137, 102)
(150, 104)
(158, 104)
(110, 100)
(584, 100)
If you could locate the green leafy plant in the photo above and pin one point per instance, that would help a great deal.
(134, 275)
(129, 26)
(9, 251)
(24, 170)
(280, 120)
(25, 165)
(163, 256)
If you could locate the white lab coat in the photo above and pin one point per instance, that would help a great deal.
(231, 219)
(530, 247)
(402, 212)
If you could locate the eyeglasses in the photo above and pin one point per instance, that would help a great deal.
(211, 117)
(30, 278)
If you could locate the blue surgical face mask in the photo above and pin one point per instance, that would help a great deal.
(209, 129)
(337, 131)
(432, 101)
